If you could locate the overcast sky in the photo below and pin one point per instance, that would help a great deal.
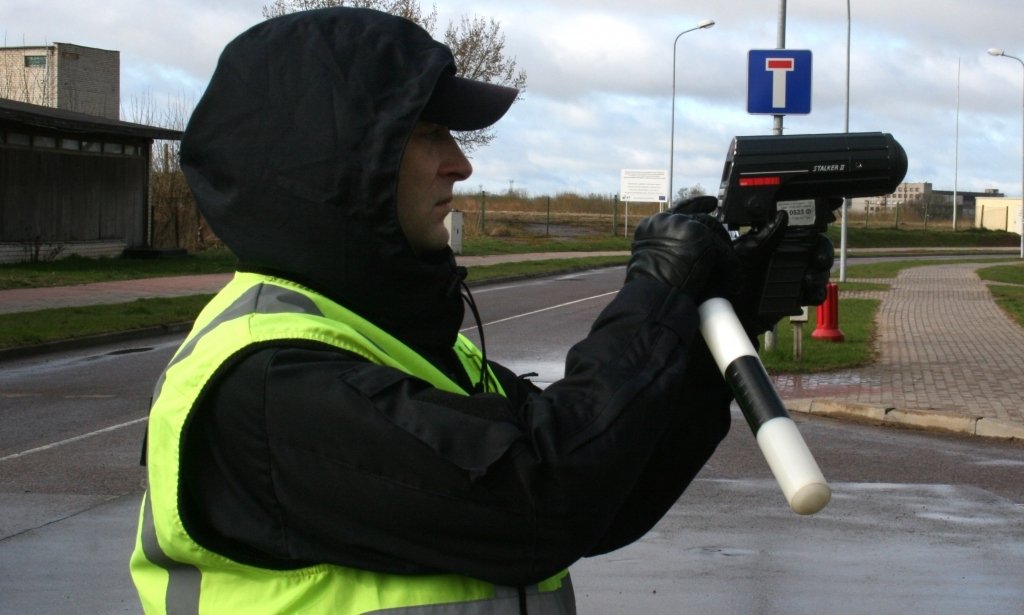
(599, 88)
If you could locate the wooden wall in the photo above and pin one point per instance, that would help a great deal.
(55, 196)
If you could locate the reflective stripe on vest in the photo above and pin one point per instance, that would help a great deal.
(505, 600)
(173, 574)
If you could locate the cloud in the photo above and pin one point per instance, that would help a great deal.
(600, 74)
(903, 79)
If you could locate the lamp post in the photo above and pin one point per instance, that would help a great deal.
(843, 224)
(703, 25)
(999, 52)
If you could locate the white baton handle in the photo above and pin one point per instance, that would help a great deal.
(777, 435)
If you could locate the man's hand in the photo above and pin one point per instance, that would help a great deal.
(754, 250)
(691, 253)
(693, 205)
(818, 269)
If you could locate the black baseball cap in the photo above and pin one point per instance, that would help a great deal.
(467, 104)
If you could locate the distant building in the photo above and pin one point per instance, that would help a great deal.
(63, 76)
(72, 183)
(940, 201)
(74, 179)
(967, 202)
(998, 214)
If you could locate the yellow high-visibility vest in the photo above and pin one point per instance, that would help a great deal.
(174, 574)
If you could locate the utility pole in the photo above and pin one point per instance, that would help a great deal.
(780, 43)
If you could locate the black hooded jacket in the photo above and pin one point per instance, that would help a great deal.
(299, 455)
(293, 156)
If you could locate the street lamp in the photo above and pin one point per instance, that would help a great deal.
(843, 224)
(703, 25)
(995, 51)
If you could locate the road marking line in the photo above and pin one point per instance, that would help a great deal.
(45, 447)
(553, 307)
(89, 396)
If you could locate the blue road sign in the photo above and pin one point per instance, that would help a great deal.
(779, 81)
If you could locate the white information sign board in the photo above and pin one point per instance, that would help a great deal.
(643, 185)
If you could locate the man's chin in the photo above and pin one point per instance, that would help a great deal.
(435, 246)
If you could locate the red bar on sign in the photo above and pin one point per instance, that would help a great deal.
(780, 63)
(773, 180)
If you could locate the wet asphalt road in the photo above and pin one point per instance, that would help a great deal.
(919, 523)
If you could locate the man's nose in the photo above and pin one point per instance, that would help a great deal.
(455, 165)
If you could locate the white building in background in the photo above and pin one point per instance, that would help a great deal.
(63, 76)
(998, 214)
(922, 192)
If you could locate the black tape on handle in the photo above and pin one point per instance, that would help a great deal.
(754, 392)
(778, 437)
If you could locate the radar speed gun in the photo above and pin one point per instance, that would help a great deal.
(807, 176)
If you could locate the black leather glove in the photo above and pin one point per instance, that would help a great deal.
(691, 253)
(818, 269)
(692, 205)
(819, 265)
(754, 250)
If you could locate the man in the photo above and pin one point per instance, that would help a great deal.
(325, 441)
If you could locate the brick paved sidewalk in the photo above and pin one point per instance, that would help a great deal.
(943, 347)
(98, 293)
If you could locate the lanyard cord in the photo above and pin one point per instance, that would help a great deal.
(485, 373)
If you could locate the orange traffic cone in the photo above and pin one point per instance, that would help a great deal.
(828, 317)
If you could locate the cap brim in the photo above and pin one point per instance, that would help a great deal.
(465, 104)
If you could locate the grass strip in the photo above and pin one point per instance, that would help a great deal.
(42, 326)
(856, 321)
(485, 246)
(1009, 289)
(78, 270)
(483, 273)
(1007, 274)
(1011, 300)
(890, 269)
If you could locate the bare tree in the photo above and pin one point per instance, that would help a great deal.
(479, 48)
(410, 9)
(694, 190)
(478, 45)
(177, 222)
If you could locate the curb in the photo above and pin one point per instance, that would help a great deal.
(89, 341)
(926, 420)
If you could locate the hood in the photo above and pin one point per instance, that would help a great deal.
(293, 155)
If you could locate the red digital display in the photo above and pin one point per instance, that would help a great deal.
(771, 180)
